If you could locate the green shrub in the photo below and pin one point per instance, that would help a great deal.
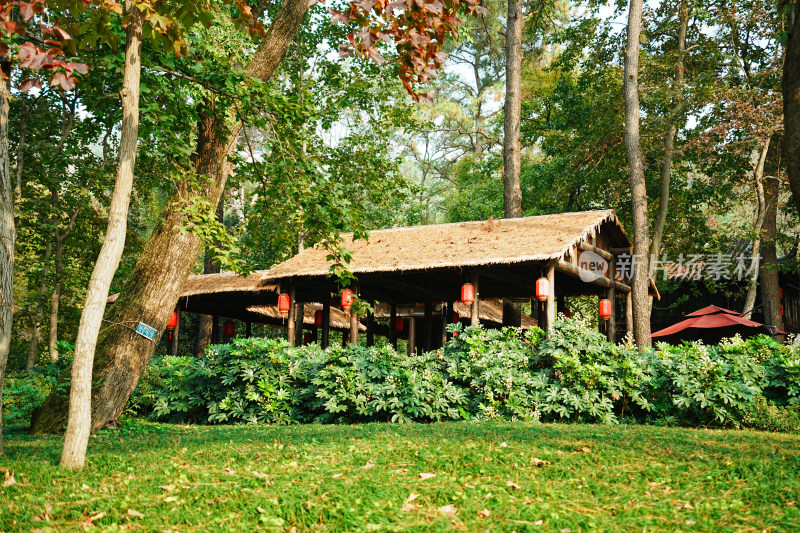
(24, 391)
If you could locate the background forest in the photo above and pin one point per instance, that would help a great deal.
(334, 144)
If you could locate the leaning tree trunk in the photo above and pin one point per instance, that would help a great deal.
(633, 151)
(6, 236)
(770, 286)
(152, 291)
(669, 137)
(791, 103)
(512, 150)
(761, 213)
(79, 421)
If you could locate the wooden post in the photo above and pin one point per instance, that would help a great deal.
(412, 335)
(551, 298)
(512, 314)
(541, 313)
(215, 329)
(628, 313)
(393, 325)
(447, 312)
(475, 318)
(299, 322)
(248, 329)
(354, 320)
(290, 326)
(371, 325)
(173, 349)
(561, 303)
(326, 321)
(612, 295)
(428, 344)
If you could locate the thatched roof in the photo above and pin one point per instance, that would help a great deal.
(462, 244)
(338, 319)
(491, 310)
(228, 282)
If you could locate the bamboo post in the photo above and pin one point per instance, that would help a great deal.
(299, 322)
(393, 325)
(475, 318)
(326, 321)
(412, 335)
(290, 326)
(173, 349)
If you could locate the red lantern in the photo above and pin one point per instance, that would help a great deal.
(347, 298)
(318, 318)
(456, 318)
(283, 303)
(468, 293)
(399, 324)
(173, 320)
(605, 309)
(567, 313)
(780, 293)
(542, 289)
(228, 328)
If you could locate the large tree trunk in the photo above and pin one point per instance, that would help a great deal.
(153, 289)
(770, 286)
(6, 236)
(512, 154)
(79, 421)
(791, 103)
(633, 151)
(669, 136)
(761, 213)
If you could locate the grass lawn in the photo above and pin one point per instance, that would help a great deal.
(486, 476)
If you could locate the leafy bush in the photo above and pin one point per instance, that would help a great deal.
(24, 391)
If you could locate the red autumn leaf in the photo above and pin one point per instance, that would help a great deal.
(3, 49)
(26, 10)
(65, 82)
(12, 26)
(30, 83)
(57, 30)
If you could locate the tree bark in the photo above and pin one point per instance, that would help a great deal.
(761, 213)
(633, 153)
(770, 285)
(791, 103)
(512, 154)
(36, 331)
(55, 297)
(79, 420)
(669, 136)
(7, 235)
(153, 289)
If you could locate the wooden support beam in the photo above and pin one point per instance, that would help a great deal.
(475, 311)
(414, 291)
(612, 295)
(354, 323)
(583, 274)
(393, 325)
(326, 321)
(290, 326)
(412, 335)
(371, 325)
(550, 303)
(299, 322)
(428, 341)
(586, 247)
(173, 348)
(512, 314)
(215, 329)
(620, 250)
(629, 313)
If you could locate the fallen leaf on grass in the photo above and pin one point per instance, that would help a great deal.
(408, 505)
(170, 499)
(261, 510)
(229, 471)
(369, 464)
(259, 475)
(688, 505)
(9, 478)
(503, 445)
(425, 475)
(89, 522)
(337, 476)
(449, 511)
(539, 462)
(512, 485)
(584, 449)
(134, 513)
(168, 488)
(485, 513)
(538, 523)
(565, 530)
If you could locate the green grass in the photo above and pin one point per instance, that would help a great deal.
(312, 478)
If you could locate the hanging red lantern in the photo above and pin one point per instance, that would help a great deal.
(228, 329)
(567, 313)
(780, 293)
(605, 309)
(173, 320)
(283, 302)
(542, 289)
(468, 293)
(399, 324)
(456, 317)
(318, 318)
(347, 298)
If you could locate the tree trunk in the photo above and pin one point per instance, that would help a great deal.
(79, 420)
(669, 136)
(36, 332)
(153, 289)
(55, 297)
(206, 323)
(512, 155)
(755, 253)
(6, 236)
(770, 285)
(633, 151)
(791, 103)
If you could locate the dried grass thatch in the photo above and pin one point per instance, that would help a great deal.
(338, 319)
(491, 310)
(462, 244)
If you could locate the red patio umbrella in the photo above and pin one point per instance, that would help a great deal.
(711, 324)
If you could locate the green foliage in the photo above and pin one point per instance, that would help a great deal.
(573, 374)
(24, 391)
